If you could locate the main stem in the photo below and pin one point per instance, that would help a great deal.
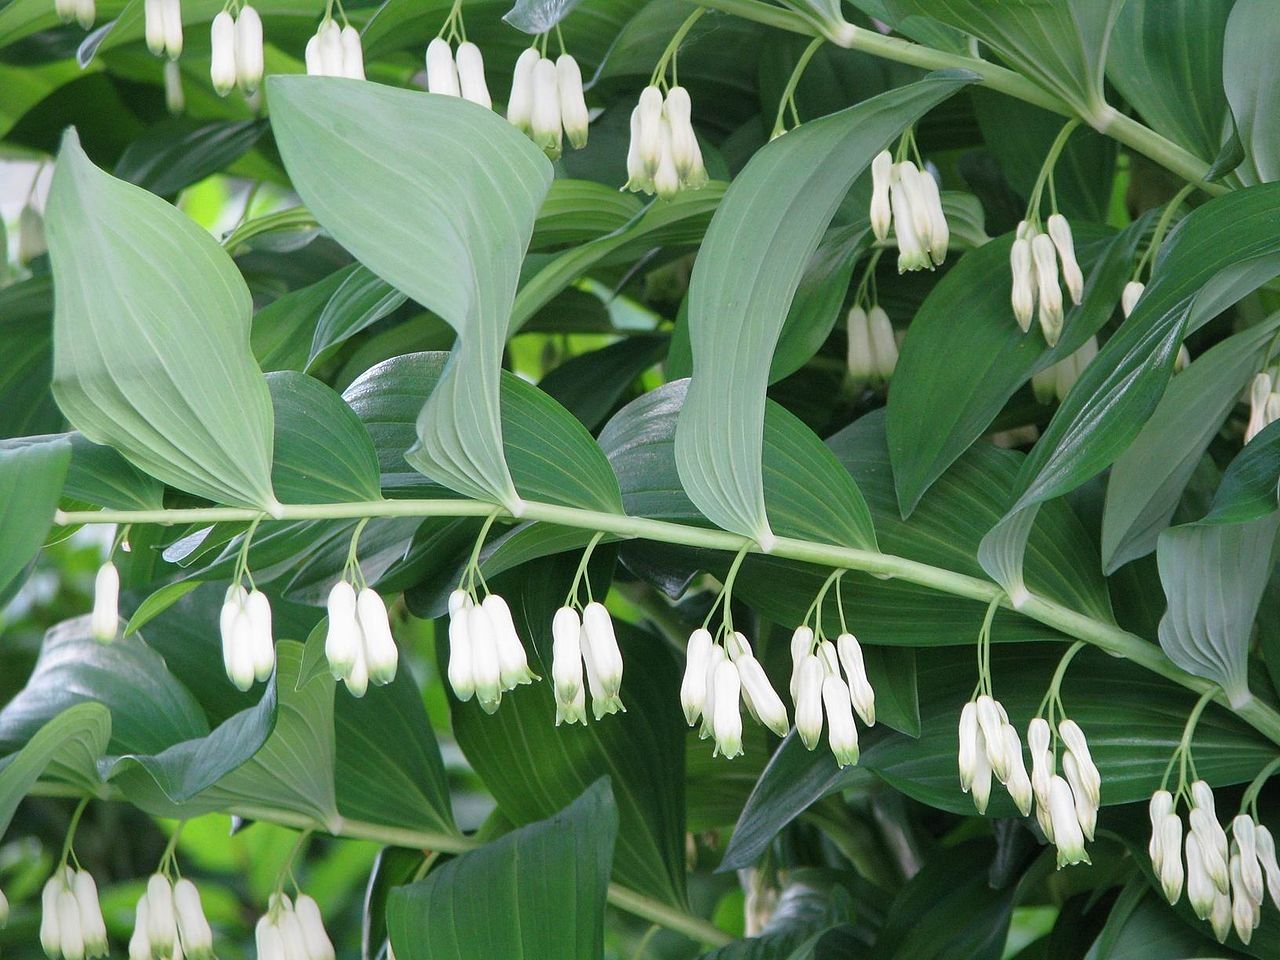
(1105, 636)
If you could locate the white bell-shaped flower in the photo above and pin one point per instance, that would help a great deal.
(639, 179)
(237, 640)
(1267, 858)
(342, 637)
(939, 232)
(311, 923)
(1048, 293)
(566, 666)
(105, 619)
(357, 678)
(881, 209)
(513, 660)
(1245, 914)
(677, 110)
(332, 61)
(760, 697)
(352, 53)
(1067, 836)
(1201, 893)
(485, 664)
(693, 686)
(1017, 783)
(1086, 812)
(162, 26)
(967, 759)
(884, 345)
(842, 732)
(258, 609)
(520, 105)
(461, 671)
(1129, 296)
(194, 932)
(50, 929)
(707, 729)
(1060, 234)
(855, 671)
(70, 933)
(544, 124)
(574, 115)
(222, 45)
(139, 940)
(647, 136)
(1244, 833)
(1220, 918)
(912, 251)
(1073, 737)
(162, 920)
(801, 647)
(1159, 807)
(380, 652)
(1212, 846)
(270, 941)
(727, 721)
(93, 928)
(991, 720)
(603, 660)
(442, 72)
(860, 359)
(808, 700)
(1022, 268)
(249, 54)
(1042, 768)
(471, 81)
(1171, 874)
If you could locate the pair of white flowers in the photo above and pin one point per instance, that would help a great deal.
(82, 12)
(1034, 263)
(1264, 403)
(547, 101)
(486, 657)
(717, 680)
(162, 21)
(335, 51)
(463, 77)
(248, 648)
(907, 199)
(585, 647)
(873, 348)
(292, 931)
(818, 688)
(663, 156)
(71, 924)
(169, 923)
(1225, 880)
(358, 642)
(236, 56)
(1066, 804)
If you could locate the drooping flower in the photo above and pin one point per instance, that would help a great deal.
(566, 666)
(760, 697)
(603, 660)
(861, 692)
(485, 665)
(873, 349)
(194, 932)
(1023, 271)
(664, 157)
(311, 923)
(881, 209)
(81, 11)
(249, 53)
(520, 104)
(1171, 874)
(1201, 893)
(808, 700)
(222, 45)
(693, 686)
(342, 643)
(1067, 835)
(380, 652)
(461, 671)
(104, 623)
(442, 72)
(573, 105)
(236, 632)
(1060, 233)
(1048, 293)
(258, 609)
(1129, 296)
(162, 27)
(842, 732)
(726, 723)
(471, 81)
(677, 110)
(325, 54)
(1017, 782)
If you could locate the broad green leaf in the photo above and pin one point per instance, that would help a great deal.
(31, 477)
(178, 152)
(550, 454)
(155, 363)
(1161, 46)
(66, 746)
(1133, 720)
(1147, 480)
(322, 451)
(150, 708)
(810, 903)
(1214, 575)
(1252, 78)
(1221, 252)
(590, 384)
(26, 404)
(536, 892)
(952, 379)
(1249, 487)
(533, 767)
(1142, 927)
(576, 211)
(100, 475)
(1061, 45)
(283, 330)
(443, 210)
(158, 602)
(361, 301)
(745, 279)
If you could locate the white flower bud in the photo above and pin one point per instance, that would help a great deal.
(1048, 291)
(1067, 836)
(1160, 806)
(1060, 234)
(968, 740)
(153, 25)
(677, 112)
(70, 932)
(1086, 812)
(342, 638)
(693, 687)
(193, 928)
(991, 722)
(912, 254)
(162, 927)
(649, 138)
(1023, 271)
(544, 124)
(881, 209)
(269, 940)
(842, 733)
(330, 46)
(566, 665)
(140, 942)
(639, 179)
(1183, 359)
(861, 358)
(105, 621)
(442, 74)
(884, 345)
(380, 652)
(759, 695)
(319, 946)
(573, 105)
(352, 53)
(1244, 831)
(174, 100)
(471, 81)
(92, 927)
(249, 56)
(666, 179)
(727, 724)
(1129, 297)
(1042, 768)
(1213, 846)
(258, 609)
(1267, 857)
(808, 700)
(1242, 907)
(716, 657)
(1220, 918)
(485, 665)
(912, 180)
(461, 677)
(603, 659)
(1171, 875)
(237, 650)
(980, 787)
(50, 929)
(222, 43)
(357, 678)
(801, 647)
(855, 670)
(520, 106)
(85, 13)
(1259, 394)
(939, 232)
(1201, 893)
(1018, 783)
(511, 654)
(311, 57)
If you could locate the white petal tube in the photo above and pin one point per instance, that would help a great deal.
(485, 665)
(442, 74)
(881, 210)
(249, 56)
(759, 693)
(520, 106)
(222, 63)
(92, 925)
(544, 125)
(1048, 292)
(105, 620)
(69, 929)
(139, 941)
(1017, 783)
(162, 928)
(809, 700)
(1067, 836)
(352, 53)
(1171, 872)
(842, 732)
(1023, 272)
(1129, 297)
(1060, 234)
(693, 687)
(574, 115)
(342, 638)
(193, 928)
(513, 660)
(1201, 893)
(319, 946)
(380, 651)
(728, 717)
(258, 609)
(50, 930)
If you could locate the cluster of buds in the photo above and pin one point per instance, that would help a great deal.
(663, 156)
(817, 687)
(248, 649)
(1067, 803)
(358, 642)
(104, 622)
(547, 101)
(292, 931)
(82, 12)
(163, 21)
(169, 922)
(1264, 403)
(335, 52)
(989, 744)
(1056, 381)
(906, 198)
(463, 77)
(1034, 262)
(486, 657)
(236, 51)
(873, 348)
(1225, 881)
(71, 924)
(717, 680)
(585, 645)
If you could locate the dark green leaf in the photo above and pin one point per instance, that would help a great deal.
(31, 476)
(590, 384)
(178, 152)
(360, 301)
(1251, 81)
(1249, 487)
(322, 451)
(66, 746)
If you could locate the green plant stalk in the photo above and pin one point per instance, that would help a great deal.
(1105, 636)
(1108, 121)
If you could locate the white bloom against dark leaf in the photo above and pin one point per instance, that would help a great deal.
(726, 723)
(881, 182)
(486, 668)
(162, 27)
(573, 105)
(194, 932)
(1133, 290)
(471, 80)
(760, 697)
(311, 925)
(808, 700)
(342, 643)
(544, 124)
(693, 686)
(520, 105)
(222, 46)
(603, 660)
(566, 667)
(1067, 835)
(1060, 234)
(105, 620)
(249, 53)
(380, 653)
(842, 732)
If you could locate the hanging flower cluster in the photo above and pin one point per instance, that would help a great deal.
(486, 657)
(585, 645)
(71, 924)
(463, 77)
(664, 156)
(873, 348)
(104, 622)
(817, 687)
(1055, 382)
(906, 198)
(717, 679)
(162, 21)
(292, 930)
(82, 12)
(236, 51)
(1034, 261)
(335, 51)
(547, 101)
(1264, 403)
(248, 648)
(169, 922)
(358, 643)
